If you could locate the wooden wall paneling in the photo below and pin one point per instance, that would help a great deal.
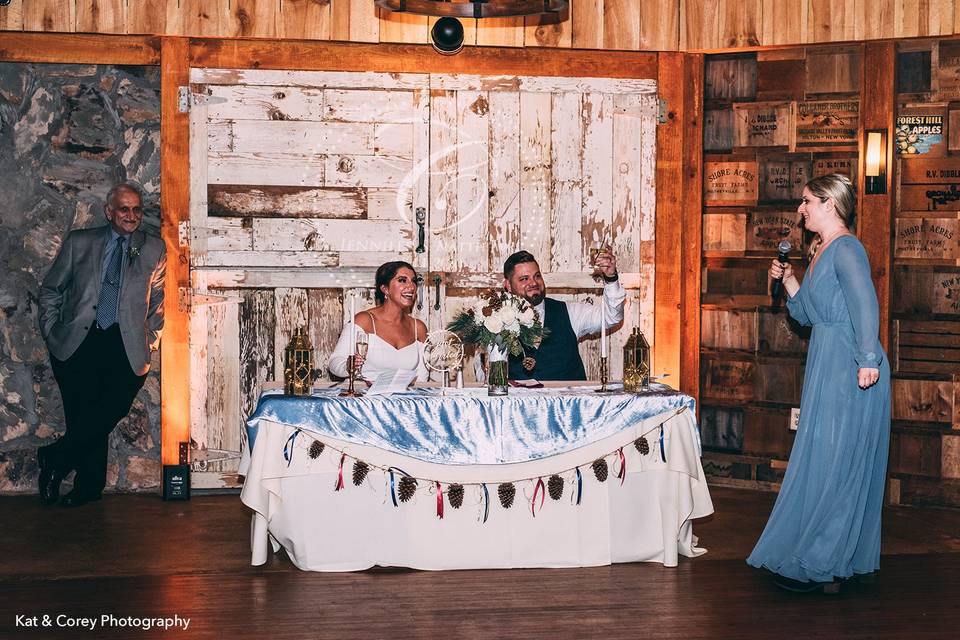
(783, 22)
(778, 334)
(49, 15)
(731, 78)
(418, 188)
(586, 24)
(876, 19)
(153, 17)
(779, 381)
(718, 130)
(500, 32)
(11, 16)
(291, 312)
(875, 211)
(548, 30)
(304, 19)
(596, 170)
(79, 48)
(740, 23)
(699, 24)
(648, 286)
(621, 24)
(923, 400)
(726, 379)
(257, 329)
(246, 102)
(204, 17)
(224, 425)
(728, 329)
(834, 70)
(199, 327)
(831, 20)
(629, 215)
(566, 147)
(504, 177)
(101, 16)
(265, 169)
(253, 18)
(766, 432)
(724, 232)
(536, 173)
(403, 27)
(286, 202)
(443, 182)
(914, 18)
(354, 20)
(926, 290)
(174, 164)
(690, 240)
(660, 26)
(325, 315)
(198, 157)
(473, 158)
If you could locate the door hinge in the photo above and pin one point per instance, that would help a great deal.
(183, 233)
(188, 298)
(187, 99)
(664, 115)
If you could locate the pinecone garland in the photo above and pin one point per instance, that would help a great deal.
(600, 469)
(455, 495)
(642, 445)
(555, 487)
(316, 448)
(408, 486)
(360, 471)
(506, 491)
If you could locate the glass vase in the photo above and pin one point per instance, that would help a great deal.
(498, 374)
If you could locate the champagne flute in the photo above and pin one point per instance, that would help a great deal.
(360, 348)
(601, 246)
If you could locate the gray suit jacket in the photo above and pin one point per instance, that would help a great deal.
(71, 290)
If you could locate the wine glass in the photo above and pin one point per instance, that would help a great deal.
(601, 246)
(360, 348)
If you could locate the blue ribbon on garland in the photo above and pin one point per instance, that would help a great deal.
(579, 485)
(663, 452)
(288, 447)
(393, 491)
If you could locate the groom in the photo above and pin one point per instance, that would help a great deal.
(101, 314)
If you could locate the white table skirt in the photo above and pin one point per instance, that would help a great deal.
(646, 518)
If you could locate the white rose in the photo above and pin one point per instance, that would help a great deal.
(527, 317)
(493, 323)
(513, 325)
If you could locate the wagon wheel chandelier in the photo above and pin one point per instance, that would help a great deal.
(447, 32)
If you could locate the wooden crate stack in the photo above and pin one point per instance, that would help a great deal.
(925, 301)
(773, 120)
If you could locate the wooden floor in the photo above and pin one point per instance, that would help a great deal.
(138, 556)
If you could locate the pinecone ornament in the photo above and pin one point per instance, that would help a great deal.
(360, 471)
(408, 486)
(506, 491)
(455, 495)
(600, 469)
(555, 487)
(642, 445)
(316, 448)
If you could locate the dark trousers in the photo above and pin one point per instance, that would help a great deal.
(98, 387)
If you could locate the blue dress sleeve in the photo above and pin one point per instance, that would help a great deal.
(853, 273)
(797, 312)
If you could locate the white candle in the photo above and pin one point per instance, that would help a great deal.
(353, 324)
(603, 326)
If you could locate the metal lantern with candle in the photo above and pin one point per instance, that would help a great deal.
(298, 364)
(636, 362)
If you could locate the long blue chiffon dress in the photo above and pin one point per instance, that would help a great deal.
(826, 521)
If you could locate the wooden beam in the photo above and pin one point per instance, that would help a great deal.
(875, 217)
(175, 187)
(409, 58)
(79, 48)
(679, 179)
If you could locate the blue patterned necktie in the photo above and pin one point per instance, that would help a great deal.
(110, 290)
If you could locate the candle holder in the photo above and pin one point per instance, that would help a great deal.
(351, 391)
(603, 376)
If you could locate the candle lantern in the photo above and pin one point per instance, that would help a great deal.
(298, 365)
(636, 362)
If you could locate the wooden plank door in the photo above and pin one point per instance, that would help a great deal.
(302, 184)
(549, 165)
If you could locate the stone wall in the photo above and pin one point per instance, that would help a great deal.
(67, 133)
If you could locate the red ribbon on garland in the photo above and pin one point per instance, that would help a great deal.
(340, 474)
(623, 467)
(543, 495)
(439, 501)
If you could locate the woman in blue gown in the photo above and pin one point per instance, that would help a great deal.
(825, 525)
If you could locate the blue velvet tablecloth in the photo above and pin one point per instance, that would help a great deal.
(466, 426)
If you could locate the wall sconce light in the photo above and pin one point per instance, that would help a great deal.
(876, 162)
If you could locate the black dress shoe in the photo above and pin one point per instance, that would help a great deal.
(796, 586)
(76, 499)
(49, 480)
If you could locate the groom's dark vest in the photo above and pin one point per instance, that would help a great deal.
(558, 357)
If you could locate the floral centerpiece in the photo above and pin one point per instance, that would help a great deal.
(503, 324)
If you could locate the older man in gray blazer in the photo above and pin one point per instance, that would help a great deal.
(101, 315)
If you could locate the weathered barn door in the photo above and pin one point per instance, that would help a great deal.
(302, 183)
(550, 165)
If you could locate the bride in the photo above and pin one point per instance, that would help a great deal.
(394, 337)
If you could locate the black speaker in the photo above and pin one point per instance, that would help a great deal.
(176, 482)
(447, 36)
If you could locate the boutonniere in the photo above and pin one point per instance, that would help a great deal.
(133, 252)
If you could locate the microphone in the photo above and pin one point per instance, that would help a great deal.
(783, 256)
